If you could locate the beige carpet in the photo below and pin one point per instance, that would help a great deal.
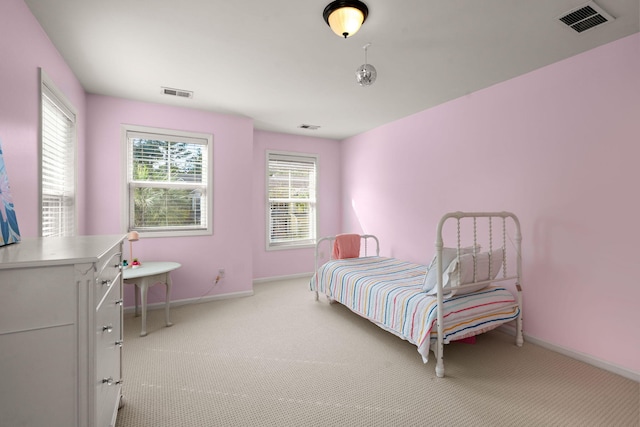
(279, 358)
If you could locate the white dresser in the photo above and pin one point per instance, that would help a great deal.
(61, 331)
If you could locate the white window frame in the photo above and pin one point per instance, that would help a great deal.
(127, 203)
(69, 188)
(307, 243)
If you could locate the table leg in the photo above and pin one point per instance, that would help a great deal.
(144, 287)
(166, 307)
(136, 294)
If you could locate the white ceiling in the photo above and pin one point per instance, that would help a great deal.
(278, 62)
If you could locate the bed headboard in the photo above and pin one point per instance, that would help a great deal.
(364, 237)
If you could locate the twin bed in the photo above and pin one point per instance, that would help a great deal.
(471, 286)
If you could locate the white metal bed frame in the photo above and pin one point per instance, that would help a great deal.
(458, 216)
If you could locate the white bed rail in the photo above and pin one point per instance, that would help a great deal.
(331, 239)
(459, 216)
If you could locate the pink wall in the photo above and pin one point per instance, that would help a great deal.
(294, 261)
(559, 147)
(230, 246)
(24, 48)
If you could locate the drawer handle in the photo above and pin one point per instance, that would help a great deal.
(119, 343)
(106, 282)
(107, 328)
(110, 381)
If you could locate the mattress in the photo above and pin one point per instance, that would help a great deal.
(388, 292)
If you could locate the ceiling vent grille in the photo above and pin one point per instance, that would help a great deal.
(310, 127)
(585, 17)
(177, 92)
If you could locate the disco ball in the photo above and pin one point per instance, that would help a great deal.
(366, 74)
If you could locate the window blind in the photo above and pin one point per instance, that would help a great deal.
(291, 200)
(57, 166)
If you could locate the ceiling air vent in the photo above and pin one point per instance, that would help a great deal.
(177, 92)
(310, 127)
(585, 17)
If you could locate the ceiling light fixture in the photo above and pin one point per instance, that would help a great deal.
(366, 74)
(345, 17)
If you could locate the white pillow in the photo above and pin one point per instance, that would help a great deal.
(450, 276)
(448, 255)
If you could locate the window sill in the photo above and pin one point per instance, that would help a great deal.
(284, 247)
(173, 233)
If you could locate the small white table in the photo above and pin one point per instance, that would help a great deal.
(146, 275)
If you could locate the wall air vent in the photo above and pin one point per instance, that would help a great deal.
(177, 92)
(310, 127)
(585, 17)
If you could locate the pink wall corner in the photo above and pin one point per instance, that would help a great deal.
(230, 246)
(25, 48)
(294, 261)
(557, 146)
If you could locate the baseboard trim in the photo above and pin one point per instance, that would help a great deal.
(287, 277)
(594, 361)
(161, 305)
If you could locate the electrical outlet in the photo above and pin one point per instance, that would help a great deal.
(221, 273)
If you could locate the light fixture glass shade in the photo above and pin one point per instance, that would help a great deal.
(346, 21)
(345, 17)
(366, 74)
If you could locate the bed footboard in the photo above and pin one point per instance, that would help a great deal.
(474, 217)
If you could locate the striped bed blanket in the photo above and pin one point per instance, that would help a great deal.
(388, 292)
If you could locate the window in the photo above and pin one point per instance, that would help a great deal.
(291, 200)
(57, 162)
(168, 178)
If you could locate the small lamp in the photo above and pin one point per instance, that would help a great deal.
(345, 17)
(133, 236)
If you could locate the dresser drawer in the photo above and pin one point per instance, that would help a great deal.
(37, 298)
(30, 378)
(107, 272)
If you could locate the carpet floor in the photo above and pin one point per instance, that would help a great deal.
(279, 358)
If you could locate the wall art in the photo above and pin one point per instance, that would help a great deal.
(9, 232)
